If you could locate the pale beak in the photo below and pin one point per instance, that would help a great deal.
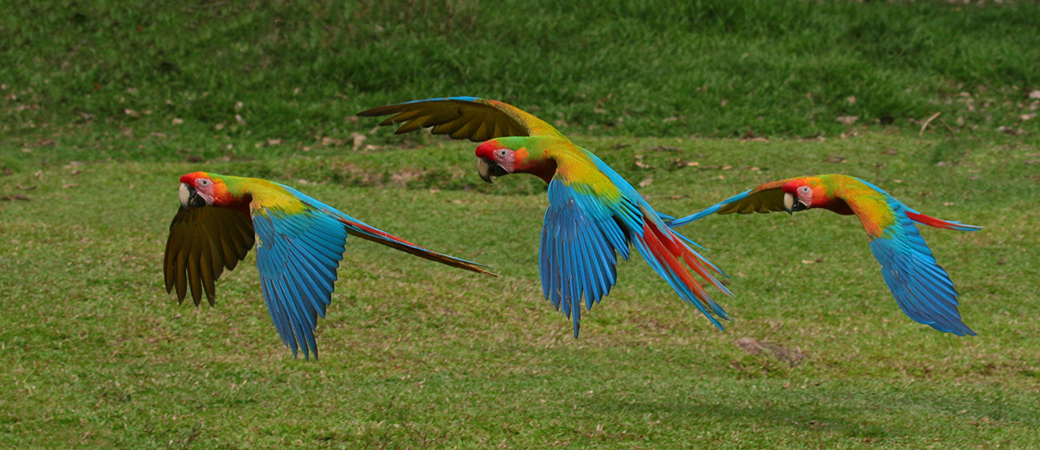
(190, 197)
(487, 169)
(793, 205)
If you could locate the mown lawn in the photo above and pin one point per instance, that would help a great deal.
(414, 354)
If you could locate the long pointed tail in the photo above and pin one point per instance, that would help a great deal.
(665, 251)
(364, 231)
(939, 223)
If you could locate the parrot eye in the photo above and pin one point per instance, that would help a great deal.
(804, 189)
(203, 182)
(502, 153)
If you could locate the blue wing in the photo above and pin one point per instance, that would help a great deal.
(581, 234)
(577, 256)
(297, 257)
(921, 287)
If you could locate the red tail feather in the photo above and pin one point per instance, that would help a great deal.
(668, 250)
(939, 223)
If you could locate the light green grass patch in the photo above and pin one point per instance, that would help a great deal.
(414, 354)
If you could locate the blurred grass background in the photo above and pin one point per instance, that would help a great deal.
(714, 68)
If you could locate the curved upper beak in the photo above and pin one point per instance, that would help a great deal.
(190, 197)
(488, 168)
(793, 205)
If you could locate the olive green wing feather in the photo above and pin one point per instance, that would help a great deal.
(470, 118)
(202, 243)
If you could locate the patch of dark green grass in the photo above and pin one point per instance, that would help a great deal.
(92, 75)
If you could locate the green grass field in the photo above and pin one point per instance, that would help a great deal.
(95, 353)
(415, 354)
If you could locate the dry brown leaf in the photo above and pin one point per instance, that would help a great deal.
(640, 164)
(847, 120)
(69, 185)
(358, 139)
(1035, 94)
(177, 121)
(851, 99)
(836, 159)
(330, 142)
(240, 120)
(646, 182)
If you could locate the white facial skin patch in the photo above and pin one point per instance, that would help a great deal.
(184, 195)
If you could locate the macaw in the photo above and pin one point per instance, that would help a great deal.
(593, 213)
(299, 241)
(921, 287)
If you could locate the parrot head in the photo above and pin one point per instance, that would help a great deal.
(201, 189)
(503, 156)
(803, 193)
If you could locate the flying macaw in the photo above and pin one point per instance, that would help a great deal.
(921, 287)
(299, 241)
(593, 212)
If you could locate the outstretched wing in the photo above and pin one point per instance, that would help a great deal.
(764, 199)
(470, 118)
(202, 243)
(297, 254)
(921, 287)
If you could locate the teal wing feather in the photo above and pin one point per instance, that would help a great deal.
(921, 287)
(297, 257)
(582, 235)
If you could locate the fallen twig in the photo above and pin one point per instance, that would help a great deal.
(923, 127)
